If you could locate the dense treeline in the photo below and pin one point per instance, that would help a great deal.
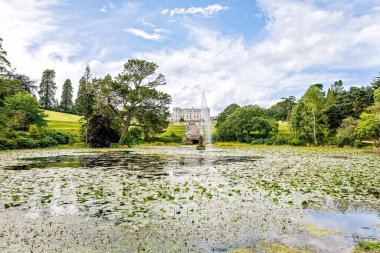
(125, 109)
(336, 117)
(129, 109)
(22, 122)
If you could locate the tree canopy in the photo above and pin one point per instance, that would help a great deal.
(132, 95)
(247, 123)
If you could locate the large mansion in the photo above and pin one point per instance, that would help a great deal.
(189, 115)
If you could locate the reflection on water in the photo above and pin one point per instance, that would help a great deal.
(128, 161)
(362, 224)
(338, 232)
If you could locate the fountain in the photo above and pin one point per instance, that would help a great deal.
(205, 124)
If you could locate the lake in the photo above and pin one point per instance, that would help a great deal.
(179, 199)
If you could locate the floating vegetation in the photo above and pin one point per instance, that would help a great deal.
(161, 196)
(367, 246)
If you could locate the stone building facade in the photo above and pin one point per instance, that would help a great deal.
(189, 115)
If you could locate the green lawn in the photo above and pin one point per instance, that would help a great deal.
(62, 121)
(179, 130)
(284, 128)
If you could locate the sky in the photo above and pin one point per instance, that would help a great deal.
(236, 51)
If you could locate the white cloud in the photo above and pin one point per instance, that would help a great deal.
(25, 27)
(156, 35)
(208, 11)
(304, 44)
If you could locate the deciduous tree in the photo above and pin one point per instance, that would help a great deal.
(24, 110)
(133, 92)
(369, 127)
(226, 112)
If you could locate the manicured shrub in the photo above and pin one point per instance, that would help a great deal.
(59, 137)
(100, 131)
(358, 144)
(6, 144)
(282, 140)
(266, 141)
(25, 142)
(296, 142)
(47, 141)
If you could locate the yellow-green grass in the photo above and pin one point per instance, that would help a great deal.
(284, 128)
(62, 121)
(179, 130)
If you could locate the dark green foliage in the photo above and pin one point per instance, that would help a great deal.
(154, 119)
(376, 82)
(86, 97)
(136, 133)
(349, 103)
(66, 104)
(8, 88)
(47, 89)
(246, 124)
(266, 141)
(346, 133)
(282, 110)
(133, 95)
(166, 139)
(101, 131)
(23, 110)
(45, 138)
(224, 115)
(282, 140)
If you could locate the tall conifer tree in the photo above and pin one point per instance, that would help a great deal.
(67, 96)
(86, 95)
(3, 60)
(47, 89)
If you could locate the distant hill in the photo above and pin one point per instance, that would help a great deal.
(62, 121)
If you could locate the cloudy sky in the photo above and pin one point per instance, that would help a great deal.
(236, 51)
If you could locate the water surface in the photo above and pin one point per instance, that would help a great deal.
(170, 198)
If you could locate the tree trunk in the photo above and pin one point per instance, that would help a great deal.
(146, 134)
(124, 133)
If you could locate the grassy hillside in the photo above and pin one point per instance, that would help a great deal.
(179, 130)
(62, 121)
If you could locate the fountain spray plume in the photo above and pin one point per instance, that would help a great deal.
(205, 124)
